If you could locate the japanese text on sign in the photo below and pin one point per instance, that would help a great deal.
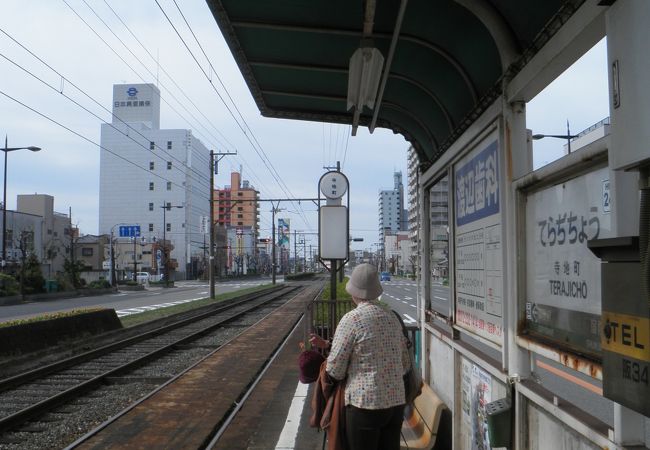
(478, 243)
(568, 228)
(477, 186)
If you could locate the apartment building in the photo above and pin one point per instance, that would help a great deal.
(237, 209)
(392, 217)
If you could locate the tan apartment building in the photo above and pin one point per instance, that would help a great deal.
(237, 209)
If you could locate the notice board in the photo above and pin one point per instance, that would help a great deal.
(478, 267)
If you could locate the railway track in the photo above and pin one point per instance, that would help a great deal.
(147, 360)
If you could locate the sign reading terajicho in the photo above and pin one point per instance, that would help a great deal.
(563, 300)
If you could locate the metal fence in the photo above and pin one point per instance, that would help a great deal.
(323, 316)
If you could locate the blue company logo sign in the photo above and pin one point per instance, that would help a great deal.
(132, 92)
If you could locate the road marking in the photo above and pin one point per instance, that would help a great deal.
(155, 293)
(408, 298)
(287, 439)
(409, 319)
(441, 298)
(121, 294)
(202, 293)
(405, 302)
(413, 306)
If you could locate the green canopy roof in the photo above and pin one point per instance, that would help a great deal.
(450, 61)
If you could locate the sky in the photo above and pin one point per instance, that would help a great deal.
(83, 68)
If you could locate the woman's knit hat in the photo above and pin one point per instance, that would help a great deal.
(364, 282)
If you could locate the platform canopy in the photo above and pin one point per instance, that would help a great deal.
(450, 59)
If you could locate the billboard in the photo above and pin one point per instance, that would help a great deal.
(283, 233)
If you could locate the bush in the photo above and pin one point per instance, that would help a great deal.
(131, 283)
(99, 284)
(341, 293)
(64, 283)
(299, 276)
(8, 285)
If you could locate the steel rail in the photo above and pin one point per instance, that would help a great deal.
(26, 377)
(37, 409)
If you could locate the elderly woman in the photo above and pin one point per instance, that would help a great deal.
(369, 351)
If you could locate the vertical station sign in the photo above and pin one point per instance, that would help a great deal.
(478, 242)
(563, 282)
(333, 227)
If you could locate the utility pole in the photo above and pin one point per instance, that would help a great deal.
(273, 264)
(214, 169)
(295, 252)
(135, 263)
(211, 222)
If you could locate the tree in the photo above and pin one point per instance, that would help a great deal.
(413, 260)
(73, 269)
(31, 276)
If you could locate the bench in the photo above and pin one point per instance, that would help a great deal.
(421, 421)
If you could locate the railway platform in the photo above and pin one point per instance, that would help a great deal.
(205, 408)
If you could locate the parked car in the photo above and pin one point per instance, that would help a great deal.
(142, 277)
(384, 276)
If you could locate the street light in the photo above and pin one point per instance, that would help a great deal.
(166, 207)
(4, 198)
(568, 136)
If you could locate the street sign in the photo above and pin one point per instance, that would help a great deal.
(129, 230)
(106, 265)
(205, 225)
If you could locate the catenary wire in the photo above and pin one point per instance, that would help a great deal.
(45, 83)
(260, 152)
(232, 147)
(76, 133)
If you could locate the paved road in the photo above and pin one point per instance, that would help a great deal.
(128, 302)
(401, 295)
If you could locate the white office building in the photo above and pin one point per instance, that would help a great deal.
(143, 168)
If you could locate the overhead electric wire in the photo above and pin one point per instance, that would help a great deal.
(76, 133)
(323, 139)
(347, 141)
(266, 161)
(54, 88)
(213, 70)
(124, 61)
(92, 113)
(226, 90)
(232, 147)
(135, 71)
